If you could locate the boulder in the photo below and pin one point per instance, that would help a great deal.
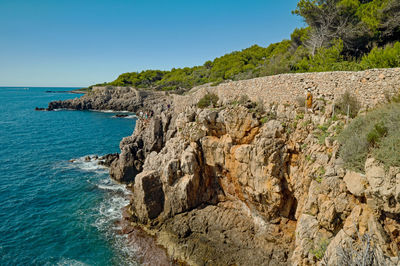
(374, 172)
(108, 159)
(355, 182)
(148, 196)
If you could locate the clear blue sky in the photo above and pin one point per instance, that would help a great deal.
(83, 42)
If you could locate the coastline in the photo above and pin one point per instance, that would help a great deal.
(73, 91)
(230, 184)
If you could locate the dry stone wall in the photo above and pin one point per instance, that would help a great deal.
(368, 86)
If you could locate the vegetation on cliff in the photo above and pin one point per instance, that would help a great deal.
(340, 35)
(376, 134)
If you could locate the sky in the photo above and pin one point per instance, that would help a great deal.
(77, 43)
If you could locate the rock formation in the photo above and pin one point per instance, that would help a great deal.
(237, 185)
(112, 98)
(229, 187)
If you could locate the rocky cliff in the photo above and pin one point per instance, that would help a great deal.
(231, 185)
(240, 184)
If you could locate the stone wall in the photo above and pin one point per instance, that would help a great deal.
(104, 89)
(369, 86)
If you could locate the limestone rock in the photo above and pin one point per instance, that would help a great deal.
(148, 196)
(374, 172)
(384, 187)
(239, 185)
(355, 182)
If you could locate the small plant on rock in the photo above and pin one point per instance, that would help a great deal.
(259, 107)
(299, 116)
(321, 133)
(210, 99)
(264, 120)
(244, 99)
(268, 117)
(318, 176)
(319, 250)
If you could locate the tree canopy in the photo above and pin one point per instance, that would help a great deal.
(340, 35)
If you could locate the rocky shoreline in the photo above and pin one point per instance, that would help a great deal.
(237, 184)
(116, 99)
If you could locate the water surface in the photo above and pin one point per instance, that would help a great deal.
(53, 211)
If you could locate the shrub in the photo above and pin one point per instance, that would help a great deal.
(264, 120)
(392, 98)
(377, 132)
(319, 250)
(348, 101)
(321, 133)
(244, 99)
(259, 108)
(382, 57)
(354, 253)
(210, 99)
(299, 116)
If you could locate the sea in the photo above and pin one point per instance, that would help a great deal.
(55, 207)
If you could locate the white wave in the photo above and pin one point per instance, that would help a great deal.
(110, 210)
(111, 111)
(107, 111)
(70, 262)
(113, 188)
(111, 185)
(63, 109)
(131, 117)
(127, 116)
(90, 166)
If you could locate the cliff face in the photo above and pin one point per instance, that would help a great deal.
(239, 185)
(229, 185)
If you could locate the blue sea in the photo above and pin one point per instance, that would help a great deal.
(54, 211)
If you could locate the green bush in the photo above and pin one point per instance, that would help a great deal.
(210, 99)
(264, 120)
(388, 151)
(386, 57)
(376, 133)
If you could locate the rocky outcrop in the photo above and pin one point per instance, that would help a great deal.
(231, 185)
(113, 98)
(149, 136)
(238, 185)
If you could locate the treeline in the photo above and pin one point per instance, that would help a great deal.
(341, 35)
